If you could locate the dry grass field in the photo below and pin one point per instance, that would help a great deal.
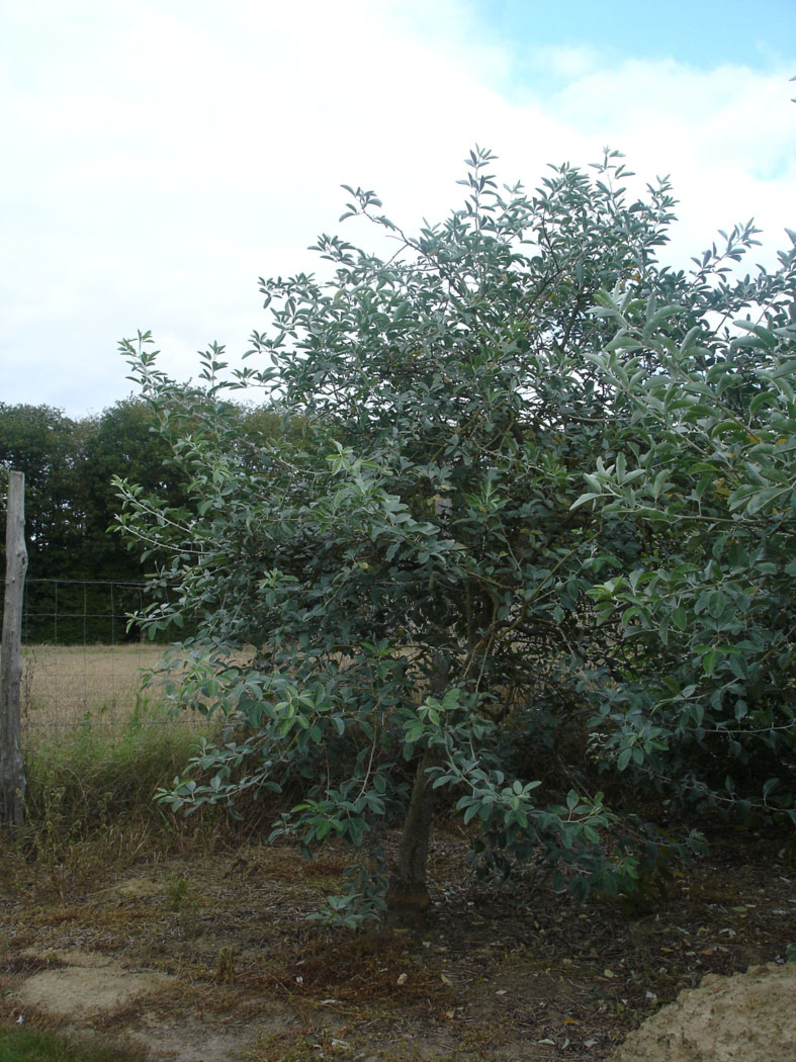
(96, 685)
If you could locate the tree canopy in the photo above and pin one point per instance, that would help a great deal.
(708, 460)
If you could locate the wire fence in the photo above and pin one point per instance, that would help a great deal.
(81, 611)
(84, 661)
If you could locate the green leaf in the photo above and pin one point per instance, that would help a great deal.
(709, 662)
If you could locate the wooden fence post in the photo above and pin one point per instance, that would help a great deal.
(12, 773)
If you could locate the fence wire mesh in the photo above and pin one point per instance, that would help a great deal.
(84, 662)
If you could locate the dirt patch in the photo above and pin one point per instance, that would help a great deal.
(87, 986)
(192, 1041)
(749, 1017)
(136, 888)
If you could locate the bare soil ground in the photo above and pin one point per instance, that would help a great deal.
(210, 958)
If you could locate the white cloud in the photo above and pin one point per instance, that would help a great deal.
(724, 135)
(566, 60)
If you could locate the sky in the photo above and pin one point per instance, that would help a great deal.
(159, 156)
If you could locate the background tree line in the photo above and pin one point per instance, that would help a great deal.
(70, 502)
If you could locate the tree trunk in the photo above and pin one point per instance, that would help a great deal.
(408, 889)
(12, 774)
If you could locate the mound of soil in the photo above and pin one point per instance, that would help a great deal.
(749, 1017)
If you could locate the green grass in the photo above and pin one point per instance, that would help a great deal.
(20, 1044)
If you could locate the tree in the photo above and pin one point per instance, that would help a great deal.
(406, 570)
(708, 460)
(69, 465)
(39, 442)
(122, 441)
